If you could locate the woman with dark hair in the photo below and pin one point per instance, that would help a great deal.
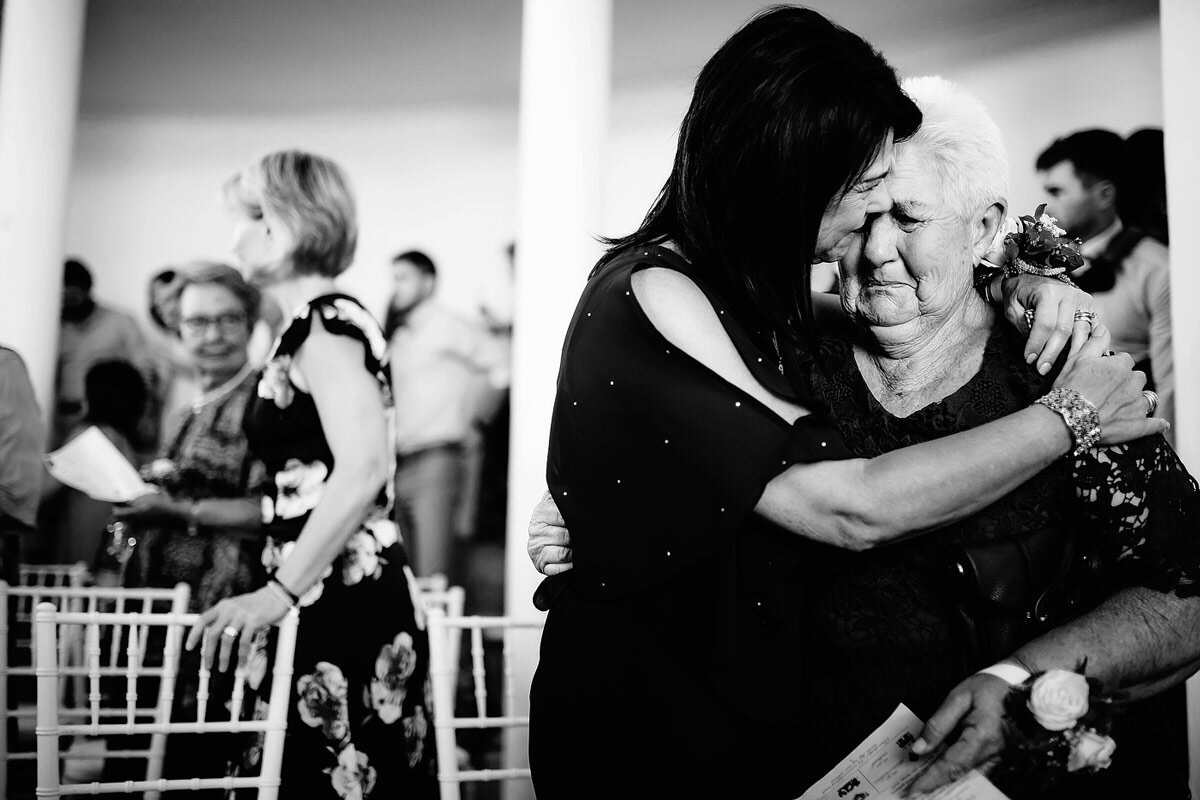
(688, 455)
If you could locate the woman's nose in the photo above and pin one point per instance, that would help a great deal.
(879, 247)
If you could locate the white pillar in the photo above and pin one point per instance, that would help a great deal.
(566, 56)
(40, 56)
(1180, 25)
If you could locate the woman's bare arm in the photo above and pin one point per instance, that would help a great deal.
(352, 416)
(862, 503)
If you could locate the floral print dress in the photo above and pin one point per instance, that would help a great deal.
(359, 725)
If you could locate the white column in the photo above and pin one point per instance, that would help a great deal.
(1180, 24)
(40, 56)
(566, 56)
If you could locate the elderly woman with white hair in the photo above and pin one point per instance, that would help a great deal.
(929, 359)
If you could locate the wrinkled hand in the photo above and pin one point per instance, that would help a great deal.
(1054, 304)
(549, 544)
(975, 710)
(1114, 387)
(246, 613)
(150, 507)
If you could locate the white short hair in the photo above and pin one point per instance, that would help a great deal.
(962, 141)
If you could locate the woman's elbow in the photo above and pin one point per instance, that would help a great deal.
(367, 472)
(859, 531)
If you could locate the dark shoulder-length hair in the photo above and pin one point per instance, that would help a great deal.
(785, 117)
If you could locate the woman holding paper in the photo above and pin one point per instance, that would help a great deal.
(203, 527)
(115, 398)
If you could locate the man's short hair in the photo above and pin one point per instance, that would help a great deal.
(1097, 154)
(422, 262)
(962, 142)
(75, 273)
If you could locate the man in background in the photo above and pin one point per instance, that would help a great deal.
(443, 367)
(1126, 270)
(22, 439)
(89, 333)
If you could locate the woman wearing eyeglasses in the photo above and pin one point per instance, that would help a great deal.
(203, 525)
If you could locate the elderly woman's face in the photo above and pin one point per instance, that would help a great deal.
(913, 269)
(843, 220)
(261, 242)
(214, 328)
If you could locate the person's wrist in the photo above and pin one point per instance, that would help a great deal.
(1081, 417)
(1007, 671)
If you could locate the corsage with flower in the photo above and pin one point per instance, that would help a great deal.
(1057, 723)
(1034, 245)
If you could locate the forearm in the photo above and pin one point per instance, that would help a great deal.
(241, 513)
(348, 496)
(863, 503)
(1136, 636)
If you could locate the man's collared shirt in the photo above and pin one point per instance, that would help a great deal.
(1137, 310)
(442, 365)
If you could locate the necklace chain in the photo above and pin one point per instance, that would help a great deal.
(225, 388)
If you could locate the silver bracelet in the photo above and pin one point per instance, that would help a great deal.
(1081, 416)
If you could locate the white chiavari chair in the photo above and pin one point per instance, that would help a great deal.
(513, 634)
(452, 601)
(19, 645)
(64, 575)
(136, 626)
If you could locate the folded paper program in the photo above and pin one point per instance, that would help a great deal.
(881, 768)
(93, 465)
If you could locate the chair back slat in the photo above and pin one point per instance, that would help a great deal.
(483, 630)
(138, 627)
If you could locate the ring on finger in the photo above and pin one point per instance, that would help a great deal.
(1151, 401)
(1029, 318)
(231, 632)
(1086, 314)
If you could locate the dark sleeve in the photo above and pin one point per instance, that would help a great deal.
(341, 315)
(655, 460)
(1146, 506)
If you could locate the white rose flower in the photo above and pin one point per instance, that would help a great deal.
(1058, 699)
(1091, 751)
(299, 488)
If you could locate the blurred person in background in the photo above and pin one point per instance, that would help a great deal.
(22, 439)
(319, 423)
(442, 365)
(173, 379)
(1125, 270)
(203, 526)
(1142, 202)
(114, 403)
(89, 332)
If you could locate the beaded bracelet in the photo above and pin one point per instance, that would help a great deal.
(1081, 416)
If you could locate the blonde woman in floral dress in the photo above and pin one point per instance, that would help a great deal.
(360, 724)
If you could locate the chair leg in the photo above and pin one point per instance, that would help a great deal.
(47, 704)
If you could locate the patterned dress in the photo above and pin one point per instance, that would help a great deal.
(360, 723)
(204, 458)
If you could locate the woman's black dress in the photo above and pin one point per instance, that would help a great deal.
(672, 662)
(359, 724)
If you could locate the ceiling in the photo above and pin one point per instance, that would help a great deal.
(274, 57)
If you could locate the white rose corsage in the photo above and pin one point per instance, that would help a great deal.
(1058, 723)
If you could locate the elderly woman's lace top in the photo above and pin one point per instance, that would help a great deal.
(882, 622)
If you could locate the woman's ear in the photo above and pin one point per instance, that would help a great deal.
(987, 227)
